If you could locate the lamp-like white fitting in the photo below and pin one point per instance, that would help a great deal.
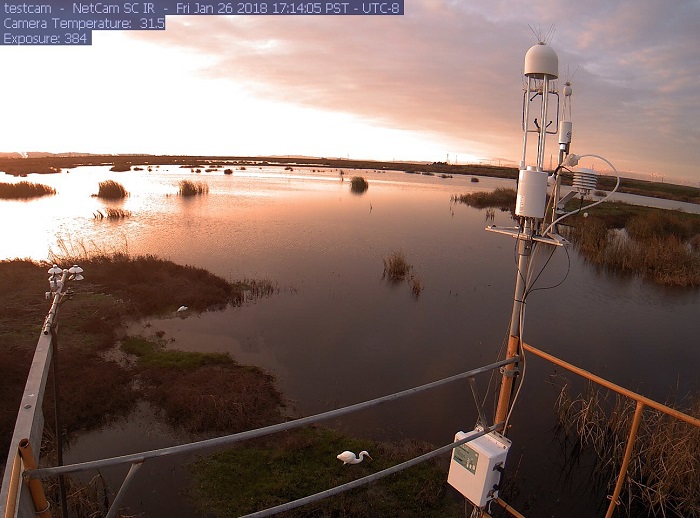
(541, 61)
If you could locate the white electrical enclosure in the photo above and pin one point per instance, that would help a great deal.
(532, 193)
(474, 468)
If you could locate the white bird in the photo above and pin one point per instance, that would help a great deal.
(349, 457)
(181, 309)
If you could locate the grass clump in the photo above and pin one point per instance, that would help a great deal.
(120, 167)
(396, 267)
(24, 190)
(204, 392)
(111, 190)
(112, 214)
(190, 188)
(653, 243)
(662, 478)
(296, 464)
(397, 270)
(502, 197)
(358, 184)
(154, 354)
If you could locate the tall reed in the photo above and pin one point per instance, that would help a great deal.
(190, 188)
(111, 190)
(24, 190)
(664, 473)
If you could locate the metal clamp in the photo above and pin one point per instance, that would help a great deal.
(509, 373)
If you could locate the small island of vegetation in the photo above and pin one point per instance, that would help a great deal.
(24, 190)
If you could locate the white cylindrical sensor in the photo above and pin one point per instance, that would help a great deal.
(565, 132)
(532, 193)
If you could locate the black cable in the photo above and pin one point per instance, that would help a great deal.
(566, 275)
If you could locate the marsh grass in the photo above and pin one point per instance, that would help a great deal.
(153, 353)
(663, 477)
(111, 190)
(358, 185)
(396, 267)
(655, 244)
(397, 270)
(110, 213)
(24, 190)
(121, 167)
(204, 392)
(190, 188)
(298, 463)
(502, 198)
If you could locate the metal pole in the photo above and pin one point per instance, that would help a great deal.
(525, 244)
(114, 509)
(41, 505)
(543, 124)
(57, 421)
(526, 122)
(626, 460)
(11, 503)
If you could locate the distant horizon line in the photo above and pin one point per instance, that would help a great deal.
(495, 162)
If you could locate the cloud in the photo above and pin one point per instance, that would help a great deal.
(448, 70)
(452, 68)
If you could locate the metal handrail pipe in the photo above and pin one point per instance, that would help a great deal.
(374, 476)
(612, 386)
(258, 432)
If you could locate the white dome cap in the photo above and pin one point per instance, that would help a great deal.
(541, 61)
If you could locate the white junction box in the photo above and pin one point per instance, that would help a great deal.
(476, 466)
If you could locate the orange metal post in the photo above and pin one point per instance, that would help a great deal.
(507, 381)
(35, 488)
(11, 503)
(626, 460)
(508, 508)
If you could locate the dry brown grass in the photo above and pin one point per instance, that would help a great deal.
(111, 190)
(396, 267)
(397, 270)
(664, 473)
(189, 188)
(501, 198)
(225, 397)
(24, 190)
(112, 214)
(657, 247)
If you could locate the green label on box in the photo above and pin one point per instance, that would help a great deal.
(466, 457)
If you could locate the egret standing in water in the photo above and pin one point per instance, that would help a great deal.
(349, 457)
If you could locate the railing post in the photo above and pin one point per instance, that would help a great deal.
(35, 488)
(636, 420)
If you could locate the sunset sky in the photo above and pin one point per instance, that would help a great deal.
(445, 78)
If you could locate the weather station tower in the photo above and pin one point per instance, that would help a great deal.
(476, 467)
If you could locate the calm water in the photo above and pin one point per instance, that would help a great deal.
(337, 334)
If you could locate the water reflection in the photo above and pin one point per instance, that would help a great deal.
(338, 334)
